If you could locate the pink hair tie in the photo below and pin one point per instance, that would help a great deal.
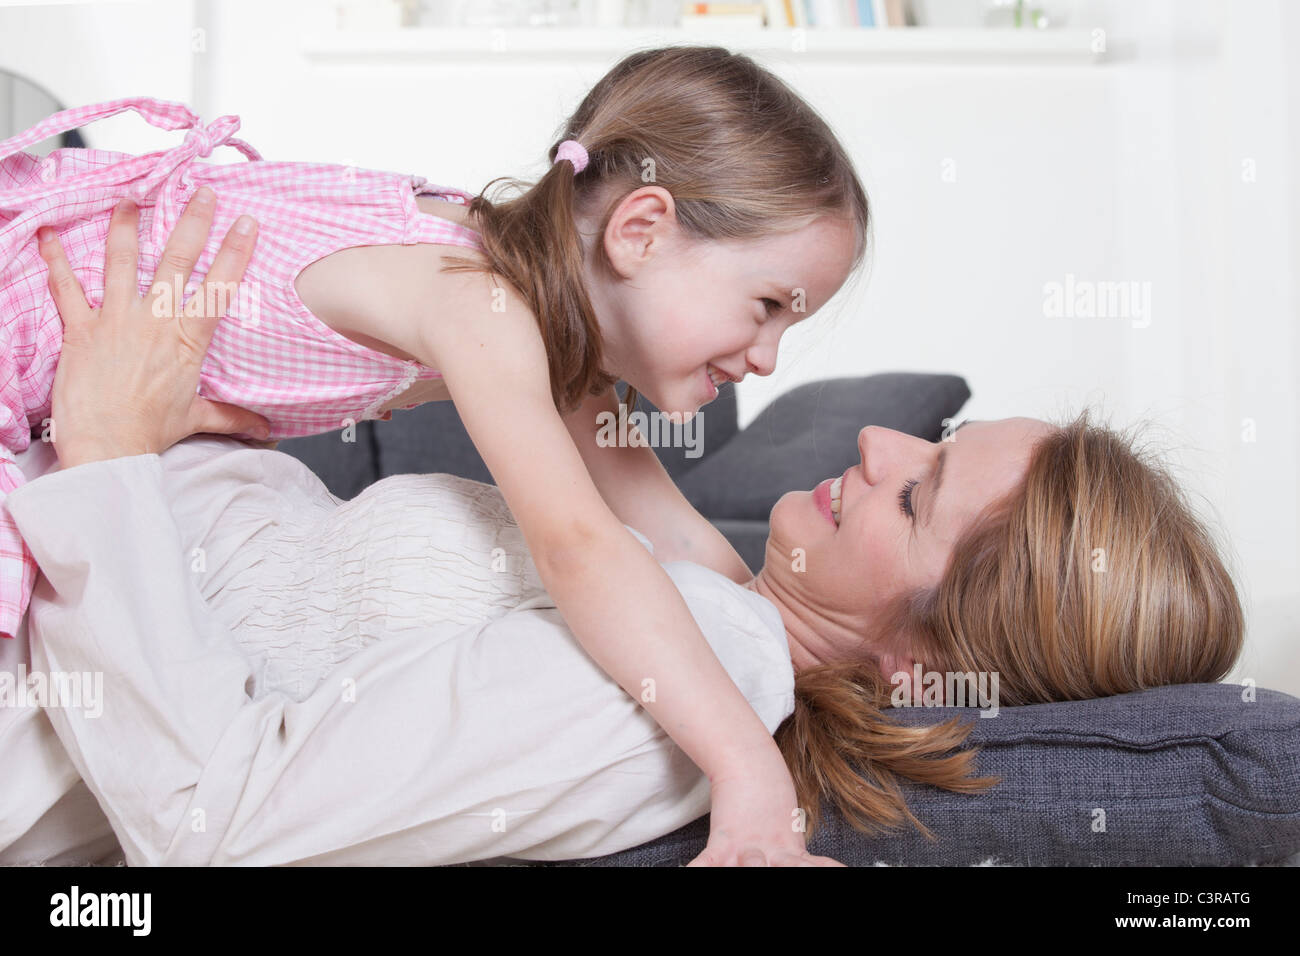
(572, 150)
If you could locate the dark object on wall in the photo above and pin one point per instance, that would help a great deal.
(23, 104)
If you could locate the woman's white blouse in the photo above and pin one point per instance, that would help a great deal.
(289, 678)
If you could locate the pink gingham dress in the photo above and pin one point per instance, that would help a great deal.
(270, 354)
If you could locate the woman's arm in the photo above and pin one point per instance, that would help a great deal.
(639, 490)
(618, 601)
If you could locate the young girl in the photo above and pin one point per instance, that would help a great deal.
(695, 210)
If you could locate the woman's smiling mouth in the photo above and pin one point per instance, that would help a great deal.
(827, 498)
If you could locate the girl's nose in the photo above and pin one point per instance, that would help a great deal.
(761, 359)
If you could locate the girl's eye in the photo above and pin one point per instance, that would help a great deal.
(771, 305)
(905, 499)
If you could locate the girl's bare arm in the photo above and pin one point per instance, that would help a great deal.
(620, 604)
(639, 490)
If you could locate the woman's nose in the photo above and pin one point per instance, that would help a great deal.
(864, 442)
(879, 447)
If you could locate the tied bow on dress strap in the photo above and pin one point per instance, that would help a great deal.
(159, 179)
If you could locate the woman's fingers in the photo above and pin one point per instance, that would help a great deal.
(221, 286)
(69, 297)
(184, 246)
(122, 256)
(236, 249)
(220, 418)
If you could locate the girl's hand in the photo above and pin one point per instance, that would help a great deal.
(753, 822)
(128, 374)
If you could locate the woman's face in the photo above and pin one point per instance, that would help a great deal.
(902, 508)
(680, 309)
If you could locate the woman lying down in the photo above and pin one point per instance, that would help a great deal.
(284, 682)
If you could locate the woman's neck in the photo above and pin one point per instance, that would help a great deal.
(800, 657)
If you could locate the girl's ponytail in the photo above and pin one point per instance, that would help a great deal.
(532, 243)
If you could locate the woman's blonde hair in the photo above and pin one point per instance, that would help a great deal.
(1092, 577)
(743, 156)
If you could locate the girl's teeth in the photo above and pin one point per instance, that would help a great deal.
(837, 486)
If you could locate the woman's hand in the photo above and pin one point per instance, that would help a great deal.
(128, 374)
(752, 822)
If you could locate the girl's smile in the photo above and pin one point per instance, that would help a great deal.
(715, 377)
(681, 315)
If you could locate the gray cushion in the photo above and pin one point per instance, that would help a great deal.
(430, 439)
(1189, 775)
(748, 537)
(811, 433)
(346, 468)
(716, 426)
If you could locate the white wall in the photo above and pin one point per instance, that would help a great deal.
(988, 181)
(92, 52)
(1256, 345)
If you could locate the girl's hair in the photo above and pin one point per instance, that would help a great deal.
(1091, 578)
(743, 156)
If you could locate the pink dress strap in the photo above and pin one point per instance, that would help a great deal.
(422, 187)
(435, 229)
(102, 188)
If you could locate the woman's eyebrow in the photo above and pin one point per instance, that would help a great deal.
(932, 499)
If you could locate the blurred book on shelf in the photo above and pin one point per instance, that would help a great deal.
(641, 14)
(519, 13)
(898, 14)
(723, 14)
(991, 14)
(788, 14)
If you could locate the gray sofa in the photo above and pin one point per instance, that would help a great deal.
(1205, 774)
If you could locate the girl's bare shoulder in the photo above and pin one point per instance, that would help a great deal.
(392, 298)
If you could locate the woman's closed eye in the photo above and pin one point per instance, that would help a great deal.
(905, 496)
(905, 499)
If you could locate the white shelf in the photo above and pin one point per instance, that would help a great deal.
(893, 47)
